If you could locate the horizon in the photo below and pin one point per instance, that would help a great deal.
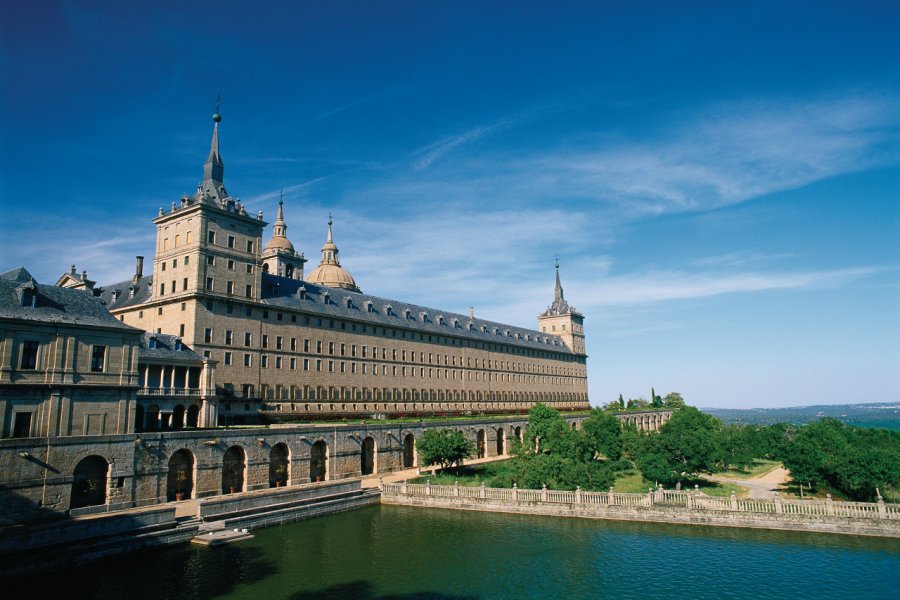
(720, 185)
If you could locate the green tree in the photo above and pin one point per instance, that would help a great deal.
(445, 447)
(541, 421)
(621, 401)
(655, 401)
(735, 448)
(673, 400)
(603, 433)
(685, 446)
(637, 403)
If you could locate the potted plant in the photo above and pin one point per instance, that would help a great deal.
(318, 465)
(180, 481)
(280, 475)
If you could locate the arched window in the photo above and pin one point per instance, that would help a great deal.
(89, 482)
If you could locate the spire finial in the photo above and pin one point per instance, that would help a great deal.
(281, 199)
(557, 262)
(216, 116)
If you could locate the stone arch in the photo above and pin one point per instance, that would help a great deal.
(318, 461)
(138, 418)
(481, 443)
(178, 416)
(234, 466)
(409, 451)
(152, 418)
(368, 465)
(501, 441)
(518, 433)
(180, 479)
(193, 416)
(89, 482)
(279, 465)
(289, 271)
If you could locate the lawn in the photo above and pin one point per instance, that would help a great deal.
(760, 467)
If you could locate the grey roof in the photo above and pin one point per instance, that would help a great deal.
(162, 346)
(284, 293)
(125, 299)
(52, 304)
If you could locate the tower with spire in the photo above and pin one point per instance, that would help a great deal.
(330, 273)
(279, 257)
(563, 320)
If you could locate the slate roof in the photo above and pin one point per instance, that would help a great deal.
(281, 292)
(53, 304)
(165, 347)
(141, 292)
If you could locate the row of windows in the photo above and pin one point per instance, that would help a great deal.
(187, 261)
(230, 263)
(30, 356)
(229, 287)
(230, 241)
(177, 240)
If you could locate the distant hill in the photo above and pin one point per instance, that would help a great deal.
(885, 415)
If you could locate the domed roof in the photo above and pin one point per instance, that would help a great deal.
(332, 275)
(280, 243)
(279, 239)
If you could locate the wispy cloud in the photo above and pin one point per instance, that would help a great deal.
(424, 157)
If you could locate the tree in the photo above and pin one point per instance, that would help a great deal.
(684, 447)
(735, 447)
(637, 403)
(603, 433)
(541, 420)
(673, 400)
(621, 401)
(655, 401)
(444, 447)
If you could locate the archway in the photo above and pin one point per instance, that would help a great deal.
(193, 415)
(481, 443)
(178, 417)
(501, 442)
(279, 465)
(153, 418)
(409, 451)
(180, 481)
(518, 433)
(367, 456)
(89, 482)
(289, 271)
(318, 461)
(233, 465)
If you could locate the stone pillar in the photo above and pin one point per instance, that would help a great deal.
(578, 494)
(734, 504)
(829, 505)
(882, 509)
(146, 382)
(612, 497)
(543, 492)
(428, 487)
(483, 493)
(516, 492)
(779, 509)
(172, 377)
(456, 488)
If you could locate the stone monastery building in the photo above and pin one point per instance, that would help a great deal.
(283, 345)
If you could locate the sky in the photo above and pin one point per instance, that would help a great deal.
(720, 181)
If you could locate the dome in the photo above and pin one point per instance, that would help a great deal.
(279, 243)
(332, 275)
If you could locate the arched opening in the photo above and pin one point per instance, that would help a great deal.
(409, 451)
(318, 461)
(501, 442)
(89, 482)
(574, 425)
(193, 416)
(518, 433)
(481, 443)
(265, 267)
(178, 416)
(153, 418)
(180, 481)
(139, 418)
(367, 456)
(233, 465)
(289, 271)
(279, 465)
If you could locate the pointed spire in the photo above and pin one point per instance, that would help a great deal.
(279, 228)
(330, 220)
(558, 292)
(330, 249)
(214, 169)
(559, 305)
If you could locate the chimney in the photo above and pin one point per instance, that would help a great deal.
(139, 268)
(471, 312)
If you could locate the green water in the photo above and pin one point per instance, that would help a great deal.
(398, 552)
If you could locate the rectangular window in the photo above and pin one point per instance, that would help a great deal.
(248, 292)
(187, 259)
(184, 284)
(159, 310)
(229, 287)
(98, 358)
(318, 346)
(278, 341)
(248, 338)
(265, 341)
(353, 350)
(173, 287)
(330, 347)
(211, 237)
(343, 349)
(249, 246)
(231, 241)
(209, 283)
(306, 345)
(331, 366)
(229, 337)
(227, 358)
(211, 260)
(247, 360)
(162, 289)
(293, 344)
(231, 265)
(277, 362)
(22, 425)
(264, 361)
(162, 267)
(207, 336)
(319, 365)
(29, 355)
(306, 364)
(249, 268)
(175, 260)
(181, 330)
(293, 363)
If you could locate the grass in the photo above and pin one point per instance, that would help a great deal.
(632, 482)
(759, 467)
(471, 476)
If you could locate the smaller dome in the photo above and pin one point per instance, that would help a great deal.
(332, 275)
(279, 243)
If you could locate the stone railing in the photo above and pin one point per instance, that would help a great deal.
(690, 500)
(168, 391)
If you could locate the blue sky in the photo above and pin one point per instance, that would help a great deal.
(720, 182)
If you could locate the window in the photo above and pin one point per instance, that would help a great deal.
(249, 246)
(98, 356)
(207, 335)
(293, 363)
(231, 241)
(187, 259)
(173, 286)
(162, 289)
(264, 361)
(229, 287)
(248, 338)
(249, 268)
(162, 266)
(277, 362)
(209, 283)
(318, 346)
(306, 364)
(22, 425)
(278, 341)
(159, 310)
(293, 344)
(247, 360)
(248, 292)
(227, 358)
(184, 284)
(229, 337)
(181, 330)
(211, 260)
(29, 355)
(211, 237)
(175, 260)
(330, 347)
(306, 345)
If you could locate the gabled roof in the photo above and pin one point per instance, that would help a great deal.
(165, 347)
(52, 304)
(141, 293)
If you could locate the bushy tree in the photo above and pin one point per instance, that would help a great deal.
(604, 434)
(685, 447)
(735, 447)
(673, 400)
(445, 447)
(637, 403)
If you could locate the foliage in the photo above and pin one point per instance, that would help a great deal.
(655, 401)
(735, 448)
(685, 447)
(446, 447)
(637, 403)
(603, 433)
(673, 400)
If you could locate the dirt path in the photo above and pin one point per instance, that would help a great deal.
(762, 486)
